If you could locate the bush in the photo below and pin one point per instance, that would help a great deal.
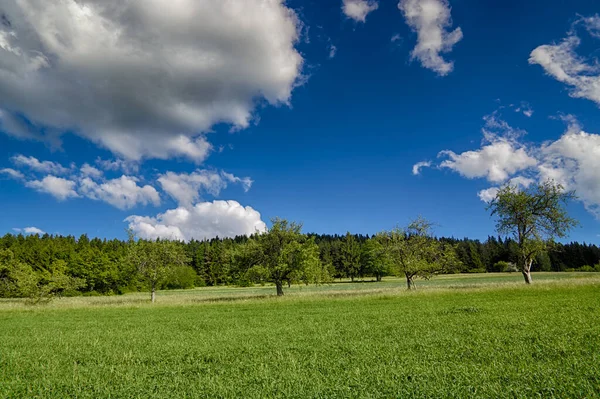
(507, 267)
(182, 277)
(587, 268)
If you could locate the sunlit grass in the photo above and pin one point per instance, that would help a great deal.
(456, 336)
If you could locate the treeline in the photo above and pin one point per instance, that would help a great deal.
(70, 266)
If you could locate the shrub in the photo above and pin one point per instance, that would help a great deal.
(507, 267)
(182, 277)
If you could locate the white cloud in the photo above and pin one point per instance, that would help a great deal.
(118, 164)
(140, 81)
(122, 193)
(396, 38)
(58, 187)
(430, 19)
(246, 182)
(30, 230)
(573, 161)
(203, 221)
(592, 25)
(359, 9)
(488, 194)
(186, 188)
(501, 156)
(524, 108)
(88, 170)
(33, 230)
(496, 161)
(332, 51)
(562, 62)
(39, 166)
(416, 169)
(13, 174)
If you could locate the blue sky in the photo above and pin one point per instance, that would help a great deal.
(216, 118)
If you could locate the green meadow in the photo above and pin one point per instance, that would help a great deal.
(456, 336)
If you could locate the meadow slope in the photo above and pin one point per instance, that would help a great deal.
(456, 337)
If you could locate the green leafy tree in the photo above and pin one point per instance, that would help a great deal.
(155, 261)
(373, 259)
(416, 253)
(351, 256)
(533, 216)
(287, 255)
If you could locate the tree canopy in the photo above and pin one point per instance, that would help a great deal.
(533, 216)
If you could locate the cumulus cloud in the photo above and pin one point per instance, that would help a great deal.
(573, 161)
(30, 230)
(430, 19)
(126, 191)
(495, 161)
(203, 221)
(122, 193)
(187, 188)
(359, 9)
(13, 174)
(39, 166)
(88, 170)
(58, 187)
(139, 81)
(487, 195)
(416, 169)
(500, 157)
(562, 62)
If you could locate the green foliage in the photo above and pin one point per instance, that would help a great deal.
(532, 216)
(350, 251)
(286, 255)
(507, 267)
(101, 267)
(414, 252)
(19, 280)
(156, 261)
(182, 277)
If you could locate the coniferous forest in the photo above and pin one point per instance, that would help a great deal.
(84, 266)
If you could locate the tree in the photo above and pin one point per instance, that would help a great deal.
(287, 255)
(351, 256)
(155, 260)
(416, 253)
(373, 258)
(533, 216)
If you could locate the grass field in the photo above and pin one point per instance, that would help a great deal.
(456, 336)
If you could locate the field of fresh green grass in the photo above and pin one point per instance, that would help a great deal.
(459, 336)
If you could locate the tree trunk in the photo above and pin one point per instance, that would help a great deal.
(527, 271)
(410, 284)
(279, 285)
(378, 277)
(153, 294)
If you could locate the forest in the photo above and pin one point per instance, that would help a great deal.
(102, 267)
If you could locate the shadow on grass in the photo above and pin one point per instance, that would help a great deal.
(235, 298)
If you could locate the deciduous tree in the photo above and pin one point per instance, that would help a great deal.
(416, 253)
(533, 216)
